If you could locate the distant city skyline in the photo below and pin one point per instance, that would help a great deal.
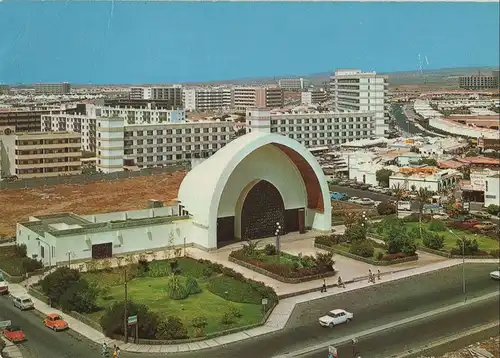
(158, 42)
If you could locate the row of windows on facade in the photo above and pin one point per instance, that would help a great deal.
(322, 128)
(168, 149)
(48, 170)
(314, 142)
(46, 141)
(177, 140)
(47, 151)
(161, 158)
(140, 133)
(323, 134)
(320, 120)
(47, 161)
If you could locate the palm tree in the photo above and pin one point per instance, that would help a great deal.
(423, 196)
(398, 191)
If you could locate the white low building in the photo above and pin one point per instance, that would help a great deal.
(241, 192)
(435, 182)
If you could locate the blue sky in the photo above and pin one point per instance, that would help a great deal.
(139, 42)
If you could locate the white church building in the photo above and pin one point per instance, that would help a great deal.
(239, 193)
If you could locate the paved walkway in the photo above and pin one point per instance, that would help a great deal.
(11, 349)
(277, 320)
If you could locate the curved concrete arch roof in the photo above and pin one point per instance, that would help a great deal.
(201, 189)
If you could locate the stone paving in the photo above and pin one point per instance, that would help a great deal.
(350, 270)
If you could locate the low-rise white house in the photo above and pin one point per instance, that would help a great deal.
(435, 182)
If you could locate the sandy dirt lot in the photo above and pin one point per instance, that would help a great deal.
(99, 197)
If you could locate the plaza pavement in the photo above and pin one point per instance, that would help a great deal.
(354, 273)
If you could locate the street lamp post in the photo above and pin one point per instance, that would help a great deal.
(277, 233)
(463, 262)
(49, 253)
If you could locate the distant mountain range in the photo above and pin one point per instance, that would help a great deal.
(443, 75)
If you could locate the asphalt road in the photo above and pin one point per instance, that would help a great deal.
(372, 307)
(42, 342)
(419, 334)
(360, 193)
(403, 123)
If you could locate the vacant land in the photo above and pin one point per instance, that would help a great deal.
(98, 197)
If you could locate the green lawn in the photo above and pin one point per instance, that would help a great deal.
(345, 247)
(486, 243)
(152, 292)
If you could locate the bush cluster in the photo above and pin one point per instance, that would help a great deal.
(432, 240)
(14, 261)
(386, 208)
(363, 248)
(437, 225)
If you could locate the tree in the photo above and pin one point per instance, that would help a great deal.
(80, 297)
(423, 196)
(493, 209)
(398, 191)
(431, 162)
(382, 176)
(55, 284)
(199, 323)
(356, 233)
(386, 208)
(171, 328)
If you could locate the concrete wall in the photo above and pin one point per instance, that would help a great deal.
(133, 214)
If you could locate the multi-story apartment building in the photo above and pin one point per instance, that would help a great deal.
(292, 84)
(313, 129)
(313, 97)
(207, 99)
(166, 93)
(479, 81)
(83, 124)
(23, 119)
(259, 97)
(356, 91)
(39, 154)
(120, 145)
(52, 88)
(86, 124)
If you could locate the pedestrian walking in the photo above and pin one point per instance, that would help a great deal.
(378, 275)
(340, 283)
(323, 288)
(369, 276)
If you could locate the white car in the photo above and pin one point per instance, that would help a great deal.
(23, 302)
(353, 199)
(495, 275)
(366, 201)
(335, 317)
(442, 216)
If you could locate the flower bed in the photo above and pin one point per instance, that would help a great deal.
(285, 267)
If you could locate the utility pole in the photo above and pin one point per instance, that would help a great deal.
(125, 313)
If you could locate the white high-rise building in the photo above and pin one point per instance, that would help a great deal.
(207, 99)
(172, 93)
(357, 91)
(292, 84)
(312, 128)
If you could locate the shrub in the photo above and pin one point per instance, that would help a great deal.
(380, 256)
(112, 319)
(495, 253)
(493, 209)
(227, 319)
(233, 290)
(55, 284)
(235, 311)
(330, 240)
(20, 250)
(142, 267)
(170, 329)
(158, 269)
(193, 268)
(80, 297)
(176, 289)
(270, 250)
(412, 218)
(433, 241)
(199, 323)
(386, 208)
(30, 265)
(192, 286)
(363, 248)
(324, 261)
(467, 247)
(437, 225)
(355, 233)
(392, 257)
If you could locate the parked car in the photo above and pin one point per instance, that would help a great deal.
(441, 216)
(13, 334)
(338, 196)
(55, 322)
(365, 186)
(485, 225)
(469, 224)
(335, 317)
(343, 183)
(23, 303)
(4, 287)
(481, 214)
(495, 275)
(366, 201)
(353, 199)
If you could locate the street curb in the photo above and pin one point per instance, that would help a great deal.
(423, 349)
(393, 325)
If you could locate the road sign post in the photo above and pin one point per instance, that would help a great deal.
(264, 304)
(132, 321)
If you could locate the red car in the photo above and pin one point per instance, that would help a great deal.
(469, 224)
(14, 334)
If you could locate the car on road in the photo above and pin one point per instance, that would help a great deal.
(441, 216)
(354, 199)
(495, 275)
(485, 225)
(55, 322)
(343, 183)
(23, 302)
(13, 334)
(469, 224)
(4, 287)
(335, 317)
(338, 196)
